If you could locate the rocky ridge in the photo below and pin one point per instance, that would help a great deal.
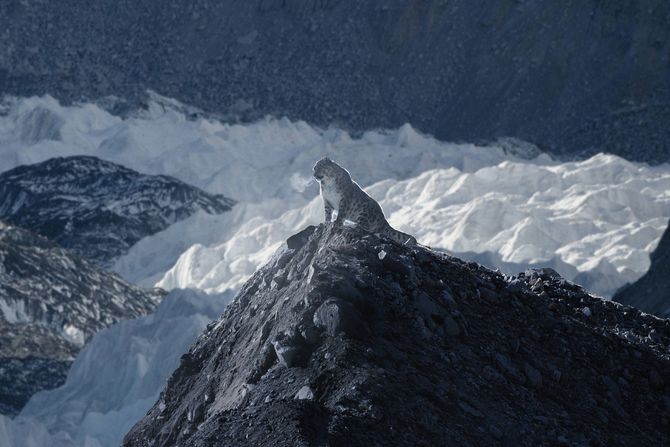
(51, 303)
(95, 208)
(345, 338)
(651, 293)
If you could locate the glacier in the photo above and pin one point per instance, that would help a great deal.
(504, 203)
(594, 221)
(116, 378)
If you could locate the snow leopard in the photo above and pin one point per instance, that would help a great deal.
(339, 192)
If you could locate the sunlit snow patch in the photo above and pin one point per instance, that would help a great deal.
(594, 221)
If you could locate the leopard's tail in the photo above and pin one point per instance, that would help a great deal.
(401, 238)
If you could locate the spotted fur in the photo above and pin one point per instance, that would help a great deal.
(341, 193)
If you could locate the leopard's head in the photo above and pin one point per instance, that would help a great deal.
(325, 168)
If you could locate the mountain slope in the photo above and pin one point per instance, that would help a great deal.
(96, 208)
(347, 339)
(51, 303)
(579, 77)
(97, 405)
(651, 293)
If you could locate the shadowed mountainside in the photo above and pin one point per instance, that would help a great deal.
(651, 293)
(96, 208)
(576, 77)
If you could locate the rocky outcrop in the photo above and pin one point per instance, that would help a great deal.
(345, 338)
(51, 304)
(95, 208)
(651, 293)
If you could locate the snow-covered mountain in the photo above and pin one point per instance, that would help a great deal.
(51, 303)
(595, 221)
(95, 208)
(269, 159)
(651, 293)
(116, 378)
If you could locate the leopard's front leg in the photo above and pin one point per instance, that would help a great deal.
(342, 211)
(328, 210)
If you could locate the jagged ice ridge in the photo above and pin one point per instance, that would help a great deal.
(607, 220)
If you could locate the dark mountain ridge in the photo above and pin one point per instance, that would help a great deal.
(95, 208)
(575, 77)
(51, 304)
(346, 339)
(651, 293)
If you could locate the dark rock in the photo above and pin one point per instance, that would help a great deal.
(651, 293)
(451, 327)
(310, 333)
(299, 239)
(406, 382)
(515, 286)
(489, 295)
(556, 375)
(612, 388)
(290, 348)
(655, 379)
(470, 410)
(505, 365)
(335, 316)
(427, 306)
(546, 274)
(449, 300)
(495, 431)
(533, 375)
(396, 266)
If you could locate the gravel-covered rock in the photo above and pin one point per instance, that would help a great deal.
(526, 367)
(95, 208)
(576, 77)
